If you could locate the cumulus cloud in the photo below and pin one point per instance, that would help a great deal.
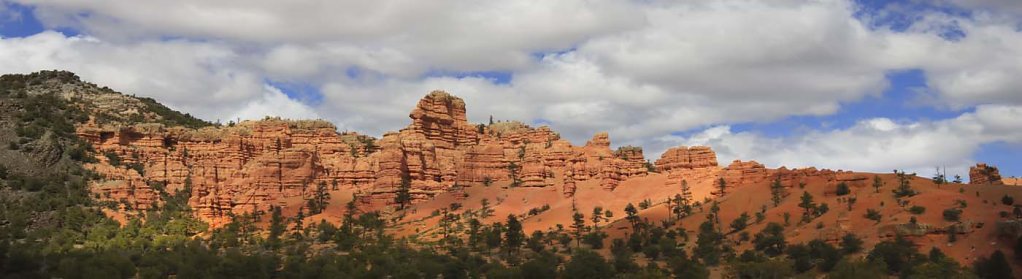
(273, 102)
(204, 79)
(877, 144)
(638, 69)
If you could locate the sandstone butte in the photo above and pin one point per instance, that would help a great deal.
(253, 165)
(257, 164)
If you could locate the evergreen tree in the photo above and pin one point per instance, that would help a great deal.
(578, 226)
(904, 186)
(597, 217)
(708, 242)
(513, 235)
(403, 195)
(842, 189)
(807, 206)
(722, 185)
(586, 264)
(277, 227)
(770, 240)
(996, 266)
(686, 197)
(740, 223)
(776, 191)
(877, 183)
(632, 215)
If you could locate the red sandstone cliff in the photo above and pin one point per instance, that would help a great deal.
(257, 164)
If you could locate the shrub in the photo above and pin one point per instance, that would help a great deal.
(113, 158)
(952, 214)
(873, 214)
(1007, 200)
(842, 189)
(917, 210)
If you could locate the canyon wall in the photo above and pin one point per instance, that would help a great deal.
(253, 165)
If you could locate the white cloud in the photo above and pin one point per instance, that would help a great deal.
(878, 144)
(274, 103)
(638, 69)
(201, 78)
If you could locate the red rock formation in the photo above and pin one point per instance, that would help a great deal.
(984, 174)
(440, 117)
(568, 189)
(682, 157)
(749, 172)
(257, 164)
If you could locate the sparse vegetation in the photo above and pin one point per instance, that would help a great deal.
(952, 214)
(842, 189)
(873, 215)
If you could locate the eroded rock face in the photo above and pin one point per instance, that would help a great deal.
(254, 165)
(984, 174)
(237, 169)
(440, 118)
(682, 157)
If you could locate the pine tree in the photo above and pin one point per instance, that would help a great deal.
(597, 217)
(776, 191)
(722, 185)
(277, 227)
(686, 197)
(807, 205)
(404, 195)
(513, 235)
(578, 225)
(877, 183)
(632, 215)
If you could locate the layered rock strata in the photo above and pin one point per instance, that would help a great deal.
(253, 165)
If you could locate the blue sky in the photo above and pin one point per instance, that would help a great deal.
(608, 72)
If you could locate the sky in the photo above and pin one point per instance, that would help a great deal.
(856, 85)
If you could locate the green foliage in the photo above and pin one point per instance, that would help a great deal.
(403, 195)
(842, 189)
(952, 214)
(873, 214)
(776, 191)
(512, 173)
(319, 200)
(770, 240)
(904, 186)
(578, 226)
(708, 243)
(513, 235)
(851, 243)
(765, 268)
(898, 255)
(586, 264)
(683, 267)
(645, 204)
(741, 222)
(917, 210)
(994, 267)
(113, 158)
(856, 269)
(1007, 200)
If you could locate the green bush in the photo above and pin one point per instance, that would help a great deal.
(842, 189)
(873, 214)
(917, 210)
(952, 214)
(113, 158)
